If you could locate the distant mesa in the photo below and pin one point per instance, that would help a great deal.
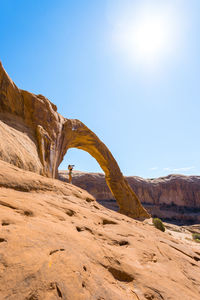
(174, 198)
(35, 137)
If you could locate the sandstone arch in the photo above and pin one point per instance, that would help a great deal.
(76, 135)
(40, 130)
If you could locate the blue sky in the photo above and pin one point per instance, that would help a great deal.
(130, 70)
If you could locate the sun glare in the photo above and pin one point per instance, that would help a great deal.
(149, 33)
(149, 37)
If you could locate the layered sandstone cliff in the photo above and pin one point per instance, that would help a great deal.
(174, 197)
(35, 137)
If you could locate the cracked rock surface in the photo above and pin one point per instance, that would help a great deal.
(57, 242)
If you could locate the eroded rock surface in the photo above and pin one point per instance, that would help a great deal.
(174, 198)
(43, 137)
(57, 242)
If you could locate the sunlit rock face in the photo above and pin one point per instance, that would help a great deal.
(175, 197)
(35, 137)
(57, 242)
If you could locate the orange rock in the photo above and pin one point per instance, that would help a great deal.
(173, 197)
(41, 132)
(57, 242)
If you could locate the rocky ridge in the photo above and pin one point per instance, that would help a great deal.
(174, 198)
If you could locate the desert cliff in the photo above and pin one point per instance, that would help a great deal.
(173, 198)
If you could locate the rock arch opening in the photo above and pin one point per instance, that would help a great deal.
(76, 135)
(88, 175)
(82, 160)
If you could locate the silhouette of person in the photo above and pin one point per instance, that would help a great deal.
(70, 168)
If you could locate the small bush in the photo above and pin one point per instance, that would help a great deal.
(158, 224)
(196, 237)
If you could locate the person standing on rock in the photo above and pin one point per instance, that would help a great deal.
(70, 168)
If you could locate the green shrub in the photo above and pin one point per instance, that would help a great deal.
(196, 237)
(158, 224)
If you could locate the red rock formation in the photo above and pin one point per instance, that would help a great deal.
(174, 197)
(43, 137)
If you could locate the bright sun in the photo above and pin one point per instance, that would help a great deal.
(149, 37)
(148, 33)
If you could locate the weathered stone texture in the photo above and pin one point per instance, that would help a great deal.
(40, 130)
(57, 242)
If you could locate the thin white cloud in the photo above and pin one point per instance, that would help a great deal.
(154, 168)
(184, 169)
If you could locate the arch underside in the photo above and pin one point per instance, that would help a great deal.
(77, 135)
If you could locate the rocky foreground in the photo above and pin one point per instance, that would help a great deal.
(57, 242)
(174, 198)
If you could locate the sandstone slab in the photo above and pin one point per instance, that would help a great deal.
(57, 242)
